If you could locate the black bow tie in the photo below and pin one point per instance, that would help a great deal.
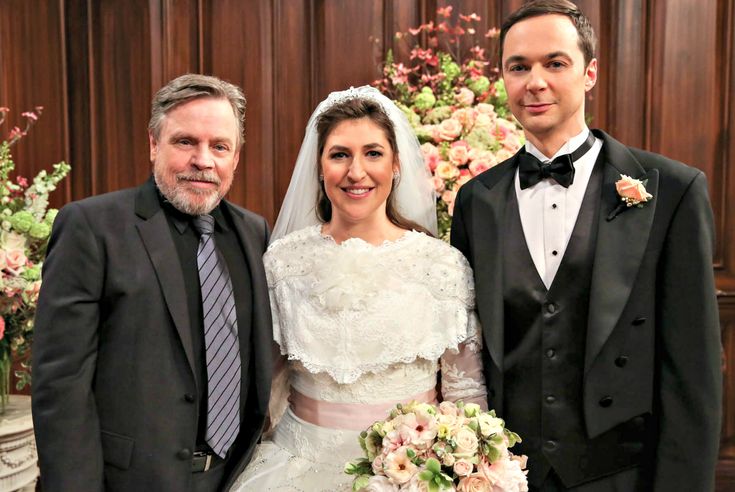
(531, 170)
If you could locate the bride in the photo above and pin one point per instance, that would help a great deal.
(367, 306)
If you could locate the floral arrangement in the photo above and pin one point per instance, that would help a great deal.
(422, 447)
(455, 103)
(25, 226)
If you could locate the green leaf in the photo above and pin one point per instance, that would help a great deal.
(433, 465)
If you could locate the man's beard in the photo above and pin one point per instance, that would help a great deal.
(180, 196)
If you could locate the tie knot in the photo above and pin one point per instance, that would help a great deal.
(204, 224)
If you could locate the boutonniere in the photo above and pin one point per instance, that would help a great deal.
(632, 193)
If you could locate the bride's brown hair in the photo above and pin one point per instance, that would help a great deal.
(355, 109)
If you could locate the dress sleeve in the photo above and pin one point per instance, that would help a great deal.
(461, 369)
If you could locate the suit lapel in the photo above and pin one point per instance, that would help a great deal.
(621, 243)
(488, 223)
(260, 337)
(156, 236)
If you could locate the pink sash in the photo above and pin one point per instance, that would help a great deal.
(350, 416)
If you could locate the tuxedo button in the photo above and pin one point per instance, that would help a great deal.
(184, 454)
(550, 399)
(553, 205)
(639, 321)
(550, 445)
(550, 353)
(606, 401)
(621, 361)
(189, 398)
(555, 252)
(551, 308)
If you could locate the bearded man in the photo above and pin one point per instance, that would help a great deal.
(152, 359)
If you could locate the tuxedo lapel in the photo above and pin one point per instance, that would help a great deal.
(488, 224)
(156, 236)
(621, 243)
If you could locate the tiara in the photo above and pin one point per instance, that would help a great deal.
(362, 92)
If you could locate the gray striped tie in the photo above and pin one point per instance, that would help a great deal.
(220, 340)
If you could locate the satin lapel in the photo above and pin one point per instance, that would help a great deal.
(621, 243)
(261, 338)
(156, 236)
(488, 225)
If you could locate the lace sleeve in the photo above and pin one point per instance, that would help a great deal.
(462, 375)
(280, 390)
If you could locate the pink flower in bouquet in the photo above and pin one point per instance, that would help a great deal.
(485, 108)
(479, 166)
(448, 130)
(504, 474)
(3, 260)
(459, 153)
(464, 176)
(448, 196)
(416, 485)
(466, 440)
(446, 170)
(474, 483)
(438, 184)
(423, 428)
(463, 468)
(2, 327)
(448, 408)
(399, 467)
(379, 483)
(503, 154)
(465, 97)
(377, 465)
(397, 438)
(486, 122)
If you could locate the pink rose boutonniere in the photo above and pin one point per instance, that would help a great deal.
(632, 193)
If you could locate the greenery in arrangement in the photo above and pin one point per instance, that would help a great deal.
(25, 226)
(455, 102)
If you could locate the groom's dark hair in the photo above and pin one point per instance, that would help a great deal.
(355, 109)
(585, 32)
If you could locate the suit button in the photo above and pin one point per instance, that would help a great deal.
(550, 353)
(189, 398)
(639, 321)
(551, 308)
(550, 445)
(606, 401)
(550, 399)
(621, 361)
(184, 454)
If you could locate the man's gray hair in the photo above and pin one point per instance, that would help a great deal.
(192, 86)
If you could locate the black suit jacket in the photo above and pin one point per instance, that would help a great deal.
(652, 301)
(114, 390)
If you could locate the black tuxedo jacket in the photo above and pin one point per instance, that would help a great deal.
(652, 305)
(114, 390)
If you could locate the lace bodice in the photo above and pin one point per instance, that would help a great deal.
(359, 322)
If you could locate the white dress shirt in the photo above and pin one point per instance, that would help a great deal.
(549, 211)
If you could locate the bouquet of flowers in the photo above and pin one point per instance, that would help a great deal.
(456, 105)
(420, 447)
(25, 226)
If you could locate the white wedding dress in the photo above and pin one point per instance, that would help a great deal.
(362, 327)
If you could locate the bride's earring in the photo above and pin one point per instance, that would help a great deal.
(396, 175)
(321, 178)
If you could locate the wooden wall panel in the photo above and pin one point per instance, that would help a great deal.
(32, 55)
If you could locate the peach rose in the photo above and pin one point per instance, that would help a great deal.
(438, 184)
(429, 149)
(632, 191)
(485, 108)
(462, 468)
(448, 130)
(466, 116)
(459, 154)
(15, 258)
(446, 170)
(474, 483)
(485, 122)
(448, 408)
(462, 180)
(512, 142)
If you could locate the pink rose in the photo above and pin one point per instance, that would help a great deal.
(448, 408)
(512, 142)
(3, 260)
(438, 184)
(448, 197)
(632, 190)
(462, 180)
(15, 258)
(485, 108)
(379, 483)
(466, 440)
(429, 149)
(459, 154)
(474, 483)
(465, 97)
(431, 162)
(479, 166)
(448, 130)
(462, 468)
(504, 474)
(466, 116)
(2, 327)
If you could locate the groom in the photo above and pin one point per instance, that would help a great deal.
(599, 315)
